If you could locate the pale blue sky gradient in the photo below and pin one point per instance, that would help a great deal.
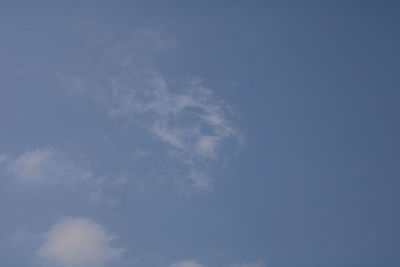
(223, 133)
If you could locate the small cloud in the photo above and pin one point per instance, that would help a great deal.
(206, 145)
(250, 264)
(187, 263)
(45, 164)
(49, 166)
(195, 263)
(168, 135)
(34, 165)
(79, 242)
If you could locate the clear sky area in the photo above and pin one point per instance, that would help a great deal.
(199, 133)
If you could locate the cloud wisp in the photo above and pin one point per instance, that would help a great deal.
(79, 242)
(196, 263)
(187, 263)
(249, 264)
(193, 125)
(45, 165)
(52, 167)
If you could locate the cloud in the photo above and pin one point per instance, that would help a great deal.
(45, 165)
(50, 166)
(79, 242)
(192, 121)
(187, 263)
(193, 124)
(251, 264)
(195, 263)
(34, 165)
(100, 195)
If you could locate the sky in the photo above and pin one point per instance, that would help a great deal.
(199, 133)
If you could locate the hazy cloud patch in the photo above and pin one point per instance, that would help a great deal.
(196, 263)
(249, 264)
(49, 166)
(46, 165)
(193, 124)
(187, 263)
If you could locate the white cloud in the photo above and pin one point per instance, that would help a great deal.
(34, 165)
(188, 118)
(195, 263)
(50, 166)
(206, 145)
(187, 263)
(45, 165)
(250, 264)
(79, 242)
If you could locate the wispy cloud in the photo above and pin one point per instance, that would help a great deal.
(45, 165)
(196, 263)
(51, 166)
(192, 123)
(187, 263)
(79, 242)
(100, 195)
(249, 264)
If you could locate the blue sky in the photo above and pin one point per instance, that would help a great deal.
(199, 133)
